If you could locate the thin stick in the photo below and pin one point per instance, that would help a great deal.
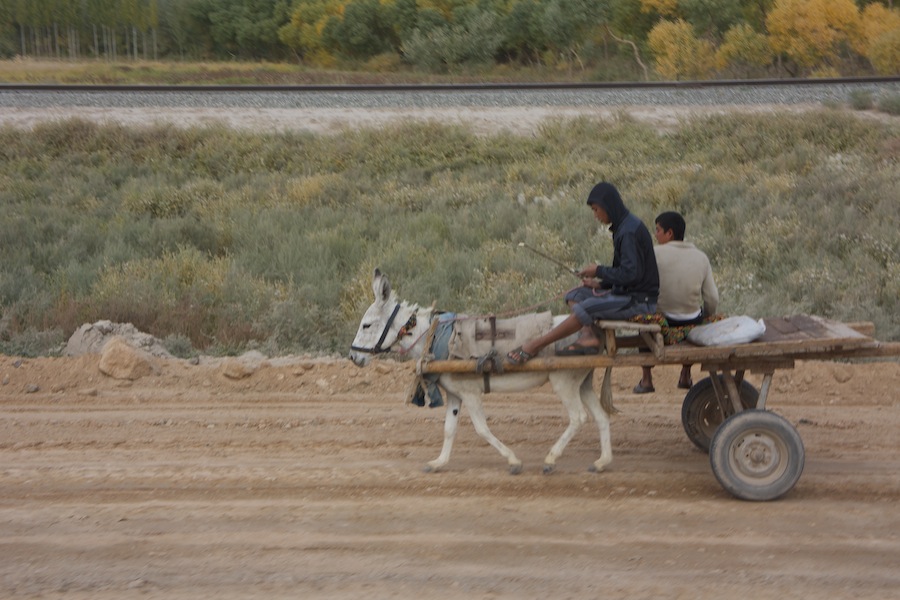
(550, 258)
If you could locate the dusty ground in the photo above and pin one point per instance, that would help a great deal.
(520, 120)
(304, 480)
(483, 120)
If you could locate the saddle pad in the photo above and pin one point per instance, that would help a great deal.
(471, 336)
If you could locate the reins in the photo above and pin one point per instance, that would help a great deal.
(411, 323)
(503, 315)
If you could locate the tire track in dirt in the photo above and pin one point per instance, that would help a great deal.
(305, 480)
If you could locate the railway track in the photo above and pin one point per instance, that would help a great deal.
(485, 108)
(686, 93)
(723, 83)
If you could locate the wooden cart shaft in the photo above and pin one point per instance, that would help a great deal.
(786, 339)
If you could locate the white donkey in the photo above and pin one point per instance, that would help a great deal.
(391, 324)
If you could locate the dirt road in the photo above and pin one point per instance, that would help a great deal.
(304, 480)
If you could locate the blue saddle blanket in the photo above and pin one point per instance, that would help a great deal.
(440, 350)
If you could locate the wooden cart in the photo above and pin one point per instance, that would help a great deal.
(755, 454)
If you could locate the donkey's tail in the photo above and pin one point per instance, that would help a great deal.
(606, 396)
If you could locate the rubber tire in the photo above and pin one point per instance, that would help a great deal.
(757, 455)
(700, 414)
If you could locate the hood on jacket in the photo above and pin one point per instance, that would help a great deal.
(606, 196)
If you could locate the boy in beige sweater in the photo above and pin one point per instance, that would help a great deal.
(687, 290)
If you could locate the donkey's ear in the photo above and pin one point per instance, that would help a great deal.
(381, 286)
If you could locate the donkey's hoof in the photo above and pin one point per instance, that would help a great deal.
(595, 468)
(515, 469)
(430, 468)
(548, 468)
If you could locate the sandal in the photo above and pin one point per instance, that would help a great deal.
(518, 356)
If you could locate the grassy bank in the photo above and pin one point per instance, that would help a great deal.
(220, 240)
(262, 73)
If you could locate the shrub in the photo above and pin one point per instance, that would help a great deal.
(861, 100)
(474, 41)
(884, 52)
(33, 342)
(154, 294)
(890, 104)
(179, 345)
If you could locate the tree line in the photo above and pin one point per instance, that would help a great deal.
(670, 39)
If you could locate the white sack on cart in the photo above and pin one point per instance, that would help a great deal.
(733, 330)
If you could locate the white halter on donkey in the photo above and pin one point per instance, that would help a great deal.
(391, 324)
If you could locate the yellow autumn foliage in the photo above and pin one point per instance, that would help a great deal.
(678, 53)
(811, 32)
(743, 47)
(666, 8)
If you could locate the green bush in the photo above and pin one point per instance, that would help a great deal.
(890, 104)
(32, 342)
(179, 345)
(155, 294)
(218, 240)
(474, 41)
(861, 100)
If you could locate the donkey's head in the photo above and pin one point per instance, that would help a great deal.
(379, 328)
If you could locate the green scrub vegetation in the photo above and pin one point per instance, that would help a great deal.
(218, 240)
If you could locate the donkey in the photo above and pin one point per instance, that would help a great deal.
(391, 324)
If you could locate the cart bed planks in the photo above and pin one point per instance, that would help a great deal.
(786, 338)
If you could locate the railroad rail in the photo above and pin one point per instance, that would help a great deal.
(770, 92)
(460, 87)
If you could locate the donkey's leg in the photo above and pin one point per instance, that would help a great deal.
(451, 424)
(473, 403)
(592, 403)
(566, 385)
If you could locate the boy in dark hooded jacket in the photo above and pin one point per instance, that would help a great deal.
(628, 287)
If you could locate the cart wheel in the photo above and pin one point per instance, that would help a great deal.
(701, 414)
(757, 455)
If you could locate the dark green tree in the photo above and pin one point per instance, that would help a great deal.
(246, 29)
(566, 24)
(473, 37)
(7, 30)
(711, 18)
(365, 30)
(403, 17)
(175, 28)
(628, 20)
(523, 34)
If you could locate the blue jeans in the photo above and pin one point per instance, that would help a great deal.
(598, 305)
